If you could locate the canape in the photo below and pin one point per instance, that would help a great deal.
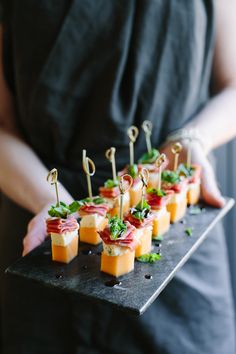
(193, 175)
(148, 160)
(178, 202)
(93, 219)
(158, 199)
(142, 218)
(63, 229)
(110, 193)
(135, 191)
(118, 247)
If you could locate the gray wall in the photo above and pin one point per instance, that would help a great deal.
(226, 173)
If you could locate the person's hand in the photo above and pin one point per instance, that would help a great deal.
(210, 191)
(36, 231)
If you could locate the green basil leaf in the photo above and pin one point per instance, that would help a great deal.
(111, 183)
(149, 157)
(170, 177)
(149, 258)
(189, 231)
(158, 192)
(184, 170)
(133, 170)
(117, 227)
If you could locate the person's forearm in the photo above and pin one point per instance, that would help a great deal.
(217, 120)
(23, 176)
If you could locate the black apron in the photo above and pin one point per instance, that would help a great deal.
(82, 72)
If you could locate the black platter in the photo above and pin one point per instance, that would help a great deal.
(135, 291)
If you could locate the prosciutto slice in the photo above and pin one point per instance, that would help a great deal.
(60, 226)
(109, 192)
(90, 208)
(156, 202)
(140, 223)
(127, 239)
(178, 187)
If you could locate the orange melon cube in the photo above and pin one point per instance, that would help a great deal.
(144, 238)
(161, 223)
(66, 253)
(193, 194)
(153, 180)
(89, 227)
(177, 210)
(117, 265)
(135, 193)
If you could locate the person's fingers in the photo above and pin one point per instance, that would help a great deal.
(30, 242)
(36, 234)
(210, 191)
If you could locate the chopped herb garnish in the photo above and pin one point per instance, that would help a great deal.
(77, 204)
(158, 192)
(133, 171)
(60, 211)
(185, 170)
(189, 231)
(117, 227)
(195, 210)
(111, 183)
(149, 258)
(149, 157)
(141, 210)
(170, 177)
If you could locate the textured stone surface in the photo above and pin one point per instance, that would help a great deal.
(137, 289)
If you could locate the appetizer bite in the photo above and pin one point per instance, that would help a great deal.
(193, 175)
(92, 210)
(149, 158)
(135, 191)
(157, 198)
(142, 218)
(110, 191)
(171, 180)
(118, 243)
(62, 227)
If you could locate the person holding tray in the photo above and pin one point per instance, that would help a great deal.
(76, 75)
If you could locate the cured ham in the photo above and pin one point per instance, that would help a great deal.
(106, 192)
(61, 226)
(126, 239)
(90, 208)
(156, 201)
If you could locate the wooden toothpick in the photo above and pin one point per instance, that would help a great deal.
(144, 176)
(189, 153)
(87, 163)
(110, 155)
(176, 149)
(132, 134)
(52, 179)
(147, 128)
(159, 162)
(126, 182)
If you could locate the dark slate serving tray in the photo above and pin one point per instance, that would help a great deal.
(137, 289)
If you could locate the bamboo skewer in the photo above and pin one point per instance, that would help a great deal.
(132, 134)
(110, 155)
(144, 176)
(159, 162)
(124, 187)
(52, 179)
(176, 149)
(147, 128)
(87, 163)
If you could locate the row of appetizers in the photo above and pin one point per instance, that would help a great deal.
(132, 208)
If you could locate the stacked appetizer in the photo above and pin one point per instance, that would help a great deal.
(63, 229)
(118, 247)
(110, 193)
(93, 212)
(141, 218)
(193, 174)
